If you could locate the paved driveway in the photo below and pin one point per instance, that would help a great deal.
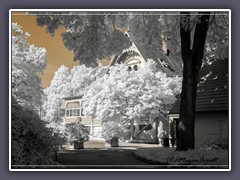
(95, 155)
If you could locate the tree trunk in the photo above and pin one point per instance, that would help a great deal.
(132, 129)
(192, 61)
(156, 130)
(186, 137)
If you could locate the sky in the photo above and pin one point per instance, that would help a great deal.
(57, 54)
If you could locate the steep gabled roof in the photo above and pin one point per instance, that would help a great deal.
(146, 51)
(212, 90)
(164, 62)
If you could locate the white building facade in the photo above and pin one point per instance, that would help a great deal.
(72, 111)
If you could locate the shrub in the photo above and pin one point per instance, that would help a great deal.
(111, 129)
(215, 143)
(32, 142)
(76, 132)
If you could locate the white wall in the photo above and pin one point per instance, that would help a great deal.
(211, 126)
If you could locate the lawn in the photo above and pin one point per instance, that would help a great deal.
(168, 156)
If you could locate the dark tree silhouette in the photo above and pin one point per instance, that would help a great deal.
(192, 61)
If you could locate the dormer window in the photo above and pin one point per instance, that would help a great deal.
(135, 67)
(133, 64)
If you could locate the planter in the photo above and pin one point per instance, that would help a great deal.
(113, 142)
(76, 145)
(163, 142)
(166, 142)
(173, 142)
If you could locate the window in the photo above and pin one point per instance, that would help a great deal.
(135, 67)
(72, 112)
(133, 64)
(74, 109)
(145, 127)
(82, 112)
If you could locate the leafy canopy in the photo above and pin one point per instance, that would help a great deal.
(97, 35)
(28, 61)
(66, 83)
(124, 94)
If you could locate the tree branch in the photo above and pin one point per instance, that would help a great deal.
(124, 114)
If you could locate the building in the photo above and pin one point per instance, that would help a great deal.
(137, 55)
(72, 111)
(145, 129)
(212, 113)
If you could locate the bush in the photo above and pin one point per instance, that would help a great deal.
(111, 129)
(76, 132)
(32, 142)
(215, 143)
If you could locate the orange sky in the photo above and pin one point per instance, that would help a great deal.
(57, 54)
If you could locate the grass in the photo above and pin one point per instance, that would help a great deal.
(168, 156)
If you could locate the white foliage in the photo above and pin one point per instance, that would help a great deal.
(121, 94)
(66, 83)
(130, 94)
(28, 61)
(54, 94)
(111, 129)
(82, 77)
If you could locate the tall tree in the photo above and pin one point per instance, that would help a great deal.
(192, 37)
(192, 61)
(58, 89)
(91, 36)
(28, 61)
(128, 96)
(66, 83)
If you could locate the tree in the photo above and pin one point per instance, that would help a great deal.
(192, 61)
(91, 37)
(192, 55)
(81, 77)
(28, 62)
(31, 142)
(59, 88)
(127, 96)
(66, 83)
(194, 38)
